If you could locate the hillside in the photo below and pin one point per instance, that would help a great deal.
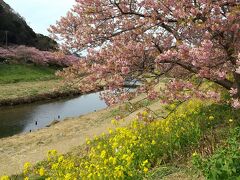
(15, 30)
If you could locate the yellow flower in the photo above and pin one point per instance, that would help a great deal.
(89, 175)
(52, 152)
(230, 120)
(98, 146)
(167, 129)
(5, 178)
(113, 160)
(194, 154)
(118, 171)
(103, 154)
(145, 169)
(144, 113)
(41, 171)
(60, 158)
(114, 145)
(26, 167)
(88, 141)
(172, 106)
(183, 129)
(153, 142)
(55, 166)
(110, 131)
(145, 163)
(68, 176)
(124, 156)
(211, 118)
(105, 161)
(26, 178)
(114, 122)
(96, 137)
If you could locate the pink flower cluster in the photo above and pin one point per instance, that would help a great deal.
(114, 97)
(183, 90)
(37, 57)
(236, 103)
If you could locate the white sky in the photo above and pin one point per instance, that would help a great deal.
(40, 14)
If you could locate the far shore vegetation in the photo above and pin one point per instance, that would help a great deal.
(25, 83)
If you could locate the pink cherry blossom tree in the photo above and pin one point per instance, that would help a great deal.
(38, 57)
(135, 39)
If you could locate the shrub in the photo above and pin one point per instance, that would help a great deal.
(224, 163)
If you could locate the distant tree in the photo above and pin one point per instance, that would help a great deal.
(33, 55)
(45, 43)
(135, 38)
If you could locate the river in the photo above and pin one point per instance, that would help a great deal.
(30, 117)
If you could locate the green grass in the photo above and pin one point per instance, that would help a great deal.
(12, 73)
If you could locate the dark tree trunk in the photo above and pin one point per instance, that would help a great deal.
(237, 84)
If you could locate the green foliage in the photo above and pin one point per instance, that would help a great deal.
(12, 73)
(45, 43)
(217, 114)
(224, 163)
(162, 171)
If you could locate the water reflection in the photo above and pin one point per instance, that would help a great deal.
(15, 120)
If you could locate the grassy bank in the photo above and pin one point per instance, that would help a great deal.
(27, 92)
(26, 83)
(13, 73)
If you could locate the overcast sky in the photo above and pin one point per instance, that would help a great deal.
(40, 14)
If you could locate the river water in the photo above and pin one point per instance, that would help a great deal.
(26, 118)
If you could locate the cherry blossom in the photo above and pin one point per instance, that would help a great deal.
(183, 40)
(36, 56)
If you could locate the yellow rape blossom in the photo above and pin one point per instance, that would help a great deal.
(41, 171)
(5, 178)
(68, 176)
(103, 154)
(55, 166)
(60, 158)
(144, 113)
(125, 152)
(52, 152)
(26, 167)
(153, 142)
(145, 169)
(195, 154)
(211, 118)
(145, 162)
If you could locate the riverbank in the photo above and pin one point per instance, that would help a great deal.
(28, 92)
(27, 83)
(63, 136)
